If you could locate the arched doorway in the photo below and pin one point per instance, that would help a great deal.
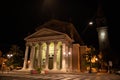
(43, 55)
(51, 55)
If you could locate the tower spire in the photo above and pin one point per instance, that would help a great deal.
(100, 9)
(100, 17)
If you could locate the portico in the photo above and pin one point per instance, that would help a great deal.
(48, 53)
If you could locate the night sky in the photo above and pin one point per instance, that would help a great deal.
(19, 18)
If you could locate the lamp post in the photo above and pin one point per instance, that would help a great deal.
(89, 24)
(9, 62)
(90, 63)
(9, 58)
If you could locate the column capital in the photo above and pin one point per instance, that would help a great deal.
(32, 44)
(27, 43)
(65, 42)
(40, 43)
(47, 42)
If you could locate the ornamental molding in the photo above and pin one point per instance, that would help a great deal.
(45, 34)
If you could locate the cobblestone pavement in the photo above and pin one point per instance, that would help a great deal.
(82, 76)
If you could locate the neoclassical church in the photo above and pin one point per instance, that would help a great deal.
(55, 46)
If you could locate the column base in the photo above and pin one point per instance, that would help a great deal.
(30, 68)
(54, 69)
(63, 70)
(23, 68)
(46, 69)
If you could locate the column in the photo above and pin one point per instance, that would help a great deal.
(55, 56)
(79, 58)
(63, 57)
(67, 58)
(32, 53)
(39, 55)
(70, 53)
(25, 57)
(47, 57)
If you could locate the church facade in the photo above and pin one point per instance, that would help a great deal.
(56, 47)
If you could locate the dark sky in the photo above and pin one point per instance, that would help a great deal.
(19, 18)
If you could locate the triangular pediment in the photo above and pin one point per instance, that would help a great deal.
(44, 32)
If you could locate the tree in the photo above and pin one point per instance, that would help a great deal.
(90, 55)
(1, 60)
(0, 53)
(17, 59)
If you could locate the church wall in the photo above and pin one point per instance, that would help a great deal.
(75, 58)
(82, 58)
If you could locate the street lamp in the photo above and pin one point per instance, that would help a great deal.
(91, 23)
(9, 55)
(9, 62)
(68, 61)
(96, 59)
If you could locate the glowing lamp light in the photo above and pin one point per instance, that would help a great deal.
(102, 35)
(64, 53)
(90, 23)
(69, 53)
(96, 59)
(28, 61)
(9, 55)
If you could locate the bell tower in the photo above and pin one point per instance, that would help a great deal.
(102, 29)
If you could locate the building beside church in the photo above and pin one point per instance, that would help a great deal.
(55, 46)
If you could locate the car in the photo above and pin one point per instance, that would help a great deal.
(117, 70)
(18, 68)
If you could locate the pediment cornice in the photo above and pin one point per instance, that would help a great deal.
(47, 34)
(43, 33)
